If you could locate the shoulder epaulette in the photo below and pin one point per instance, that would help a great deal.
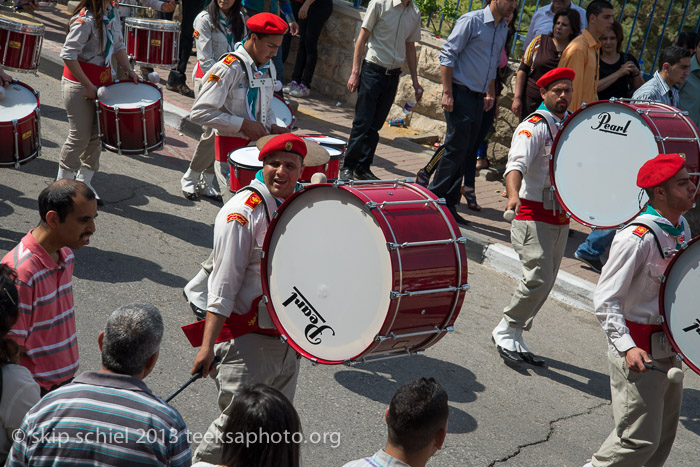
(229, 59)
(253, 201)
(535, 119)
(640, 231)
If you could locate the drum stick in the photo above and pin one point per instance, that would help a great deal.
(192, 379)
(674, 375)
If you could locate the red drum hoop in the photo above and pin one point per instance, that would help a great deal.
(678, 303)
(606, 143)
(21, 132)
(152, 42)
(130, 117)
(399, 288)
(21, 38)
(284, 113)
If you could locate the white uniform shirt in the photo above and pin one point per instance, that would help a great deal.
(221, 103)
(210, 41)
(629, 282)
(529, 154)
(83, 42)
(239, 232)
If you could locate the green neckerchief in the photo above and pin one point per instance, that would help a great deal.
(259, 177)
(226, 27)
(106, 21)
(675, 231)
(252, 93)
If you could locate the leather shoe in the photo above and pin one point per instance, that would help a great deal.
(364, 174)
(346, 174)
(509, 356)
(459, 219)
(531, 358)
(594, 264)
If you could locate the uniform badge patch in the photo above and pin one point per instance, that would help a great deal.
(288, 146)
(230, 58)
(234, 216)
(526, 133)
(195, 33)
(253, 200)
(640, 231)
(213, 77)
(534, 119)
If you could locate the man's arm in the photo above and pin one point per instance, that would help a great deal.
(412, 63)
(205, 356)
(357, 56)
(447, 98)
(514, 180)
(574, 58)
(490, 98)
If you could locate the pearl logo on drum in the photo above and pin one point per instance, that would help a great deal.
(693, 327)
(314, 330)
(605, 126)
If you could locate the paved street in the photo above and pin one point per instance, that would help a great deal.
(149, 243)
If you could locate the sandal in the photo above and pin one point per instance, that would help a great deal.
(470, 198)
(482, 163)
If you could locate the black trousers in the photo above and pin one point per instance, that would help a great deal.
(309, 32)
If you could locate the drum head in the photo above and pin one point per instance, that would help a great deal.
(283, 114)
(333, 152)
(18, 103)
(328, 299)
(596, 159)
(679, 304)
(246, 157)
(129, 95)
(325, 140)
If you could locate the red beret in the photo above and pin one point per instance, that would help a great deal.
(267, 23)
(658, 170)
(286, 142)
(555, 75)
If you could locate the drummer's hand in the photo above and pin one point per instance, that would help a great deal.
(513, 203)
(133, 76)
(29, 5)
(168, 7)
(278, 130)
(253, 130)
(203, 361)
(5, 78)
(635, 358)
(293, 28)
(91, 91)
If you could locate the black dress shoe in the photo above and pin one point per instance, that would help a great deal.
(346, 174)
(190, 196)
(459, 219)
(364, 174)
(509, 356)
(531, 358)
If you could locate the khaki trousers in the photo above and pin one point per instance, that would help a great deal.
(82, 147)
(248, 359)
(541, 248)
(646, 408)
(203, 159)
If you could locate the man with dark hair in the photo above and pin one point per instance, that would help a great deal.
(109, 417)
(674, 66)
(542, 21)
(44, 261)
(417, 426)
(689, 93)
(646, 405)
(583, 53)
(540, 228)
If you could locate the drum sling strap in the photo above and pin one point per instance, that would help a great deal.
(657, 232)
(236, 325)
(262, 84)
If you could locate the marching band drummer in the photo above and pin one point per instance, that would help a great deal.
(216, 30)
(236, 94)
(94, 35)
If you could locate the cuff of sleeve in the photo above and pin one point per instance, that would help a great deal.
(219, 306)
(624, 343)
(236, 123)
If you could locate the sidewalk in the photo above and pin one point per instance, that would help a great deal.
(488, 235)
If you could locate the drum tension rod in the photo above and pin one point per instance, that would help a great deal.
(394, 294)
(393, 246)
(424, 202)
(406, 353)
(435, 330)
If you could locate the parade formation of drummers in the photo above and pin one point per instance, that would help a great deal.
(255, 316)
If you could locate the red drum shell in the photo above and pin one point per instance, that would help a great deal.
(152, 42)
(331, 168)
(123, 131)
(412, 268)
(27, 138)
(21, 39)
(241, 173)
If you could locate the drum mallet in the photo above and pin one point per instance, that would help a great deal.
(319, 177)
(674, 375)
(192, 379)
(509, 215)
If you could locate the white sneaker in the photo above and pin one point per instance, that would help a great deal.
(289, 87)
(301, 91)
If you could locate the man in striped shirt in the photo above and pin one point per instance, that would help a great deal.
(44, 260)
(674, 67)
(110, 417)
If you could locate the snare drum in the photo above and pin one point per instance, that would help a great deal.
(327, 141)
(130, 117)
(284, 115)
(331, 168)
(20, 128)
(244, 165)
(396, 292)
(678, 303)
(152, 42)
(21, 38)
(602, 146)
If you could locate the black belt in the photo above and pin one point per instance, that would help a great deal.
(480, 94)
(381, 69)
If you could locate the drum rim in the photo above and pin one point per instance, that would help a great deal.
(243, 166)
(285, 102)
(34, 92)
(662, 307)
(156, 24)
(158, 88)
(33, 28)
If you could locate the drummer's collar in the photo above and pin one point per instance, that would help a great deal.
(259, 177)
(675, 231)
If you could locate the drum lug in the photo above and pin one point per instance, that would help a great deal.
(662, 278)
(264, 299)
(680, 357)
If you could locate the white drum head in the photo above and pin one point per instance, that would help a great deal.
(346, 289)
(129, 95)
(326, 140)
(596, 164)
(333, 152)
(680, 300)
(246, 157)
(283, 115)
(18, 103)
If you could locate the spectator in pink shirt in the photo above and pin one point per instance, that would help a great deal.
(43, 261)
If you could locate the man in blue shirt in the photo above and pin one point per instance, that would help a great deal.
(468, 63)
(690, 89)
(542, 21)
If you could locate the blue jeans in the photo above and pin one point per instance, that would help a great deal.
(596, 243)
